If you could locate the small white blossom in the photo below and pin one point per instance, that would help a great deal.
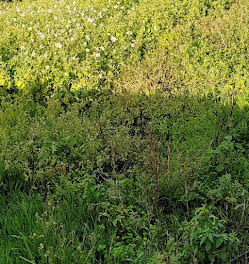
(87, 37)
(41, 35)
(87, 50)
(58, 45)
(113, 39)
(97, 55)
(90, 20)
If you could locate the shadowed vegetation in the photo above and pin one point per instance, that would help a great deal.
(123, 131)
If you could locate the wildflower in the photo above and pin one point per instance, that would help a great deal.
(87, 50)
(132, 45)
(87, 37)
(102, 48)
(58, 45)
(113, 39)
(116, 6)
(90, 20)
(41, 246)
(41, 35)
(97, 55)
(85, 43)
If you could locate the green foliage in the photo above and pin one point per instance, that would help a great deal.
(205, 238)
(123, 131)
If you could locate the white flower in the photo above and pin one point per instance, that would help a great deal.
(85, 43)
(97, 55)
(116, 6)
(102, 48)
(90, 20)
(87, 37)
(113, 39)
(87, 50)
(132, 45)
(41, 35)
(58, 45)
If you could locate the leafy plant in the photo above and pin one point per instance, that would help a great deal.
(205, 238)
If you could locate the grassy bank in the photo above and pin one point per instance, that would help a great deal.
(123, 131)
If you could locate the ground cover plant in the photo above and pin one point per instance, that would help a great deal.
(124, 131)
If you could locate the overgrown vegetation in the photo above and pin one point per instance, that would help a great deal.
(124, 131)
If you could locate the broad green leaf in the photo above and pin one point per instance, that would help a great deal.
(203, 240)
(219, 241)
(229, 138)
(208, 246)
(223, 255)
(220, 167)
(210, 238)
(235, 246)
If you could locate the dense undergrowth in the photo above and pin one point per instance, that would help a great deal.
(124, 131)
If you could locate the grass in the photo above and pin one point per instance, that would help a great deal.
(124, 131)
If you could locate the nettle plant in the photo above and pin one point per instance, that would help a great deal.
(205, 238)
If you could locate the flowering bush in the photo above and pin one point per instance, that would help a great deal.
(76, 45)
